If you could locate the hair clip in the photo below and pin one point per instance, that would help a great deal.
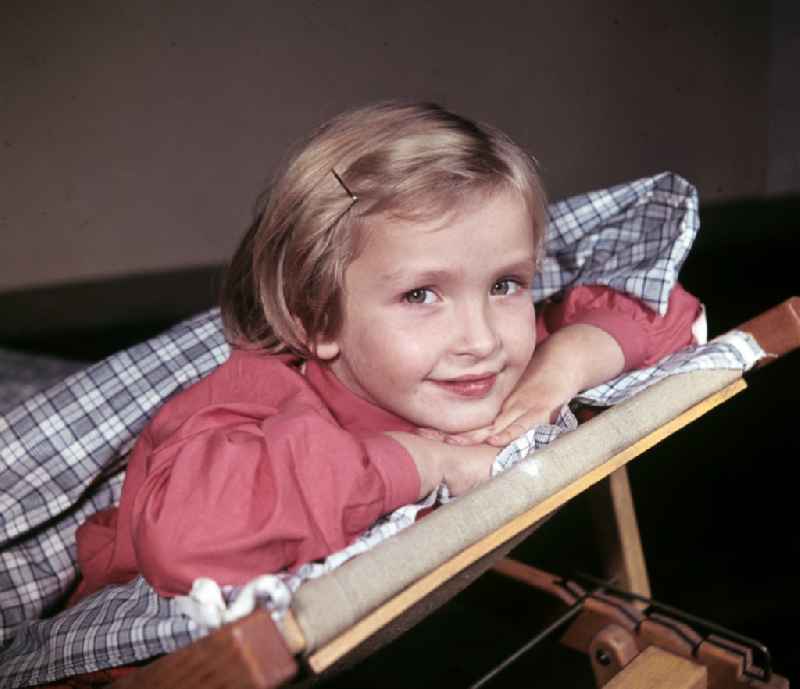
(352, 196)
(344, 186)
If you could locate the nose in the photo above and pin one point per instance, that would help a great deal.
(474, 330)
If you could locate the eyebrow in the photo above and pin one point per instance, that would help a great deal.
(525, 265)
(421, 277)
(438, 275)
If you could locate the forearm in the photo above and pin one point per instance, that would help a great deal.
(577, 357)
(461, 468)
(643, 335)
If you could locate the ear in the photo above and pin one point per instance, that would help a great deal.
(322, 348)
(325, 349)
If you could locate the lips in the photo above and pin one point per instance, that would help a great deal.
(473, 387)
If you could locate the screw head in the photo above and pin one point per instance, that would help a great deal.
(602, 657)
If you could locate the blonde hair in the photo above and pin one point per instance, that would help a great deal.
(283, 287)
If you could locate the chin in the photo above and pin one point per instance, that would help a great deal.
(466, 423)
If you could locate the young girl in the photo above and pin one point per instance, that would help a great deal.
(384, 342)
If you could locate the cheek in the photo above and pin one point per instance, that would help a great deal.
(519, 333)
(400, 355)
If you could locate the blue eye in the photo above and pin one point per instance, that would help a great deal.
(505, 287)
(421, 295)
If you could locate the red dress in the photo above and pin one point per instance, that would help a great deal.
(259, 467)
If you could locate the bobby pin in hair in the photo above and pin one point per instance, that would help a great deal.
(352, 196)
(344, 186)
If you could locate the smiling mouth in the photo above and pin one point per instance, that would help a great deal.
(474, 388)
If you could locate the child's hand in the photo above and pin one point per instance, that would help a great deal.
(573, 359)
(466, 467)
(461, 468)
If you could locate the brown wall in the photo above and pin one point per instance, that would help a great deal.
(783, 172)
(135, 136)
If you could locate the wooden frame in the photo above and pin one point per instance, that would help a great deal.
(655, 668)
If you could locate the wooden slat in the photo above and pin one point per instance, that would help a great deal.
(394, 607)
(292, 634)
(249, 654)
(777, 329)
(618, 532)
(654, 668)
(533, 576)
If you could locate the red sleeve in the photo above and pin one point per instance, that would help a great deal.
(236, 493)
(643, 335)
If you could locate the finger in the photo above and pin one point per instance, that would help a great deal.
(506, 418)
(502, 439)
(516, 429)
(519, 427)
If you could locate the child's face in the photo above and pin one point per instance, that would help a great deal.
(438, 320)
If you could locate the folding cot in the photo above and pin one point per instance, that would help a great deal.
(354, 610)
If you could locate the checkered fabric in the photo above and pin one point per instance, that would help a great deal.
(735, 350)
(53, 444)
(118, 627)
(633, 237)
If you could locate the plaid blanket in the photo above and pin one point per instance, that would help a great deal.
(633, 237)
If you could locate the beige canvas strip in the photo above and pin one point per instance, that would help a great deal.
(342, 599)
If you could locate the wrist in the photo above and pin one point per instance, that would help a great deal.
(584, 354)
(555, 371)
(427, 457)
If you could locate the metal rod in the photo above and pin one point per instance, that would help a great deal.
(563, 619)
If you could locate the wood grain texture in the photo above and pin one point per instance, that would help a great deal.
(655, 668)
(618, 533)
(777, 329)
(249, 654)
